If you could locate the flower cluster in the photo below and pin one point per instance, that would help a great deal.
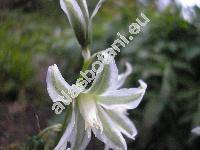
(101, 109)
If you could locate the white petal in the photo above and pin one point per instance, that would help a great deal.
(75, 133)
(57, 87)
(125, 98)
(88, 110)
(80, 138)
(196, 130)
(122, 77)
(75, 6)
(111, 136)
(68, 131)
(123, 122)
(106, 79)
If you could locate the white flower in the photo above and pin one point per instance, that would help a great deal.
(101, 109)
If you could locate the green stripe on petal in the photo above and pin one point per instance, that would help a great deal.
(84, 8)
(111, 136)
(75, 133)
(80, 138)
(124, 123)
(125, 98)
(106, 79)
(62, 144)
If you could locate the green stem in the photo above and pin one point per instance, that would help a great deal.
(86, 54)
(87, 60)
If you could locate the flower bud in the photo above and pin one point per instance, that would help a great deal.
(77, 13)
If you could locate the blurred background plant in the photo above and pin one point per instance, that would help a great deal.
(35, 34)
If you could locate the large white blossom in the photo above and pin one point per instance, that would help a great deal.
(101, 109)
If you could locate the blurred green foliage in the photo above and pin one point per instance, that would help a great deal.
(166, 55)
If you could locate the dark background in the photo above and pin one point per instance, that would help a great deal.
(166, 54)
